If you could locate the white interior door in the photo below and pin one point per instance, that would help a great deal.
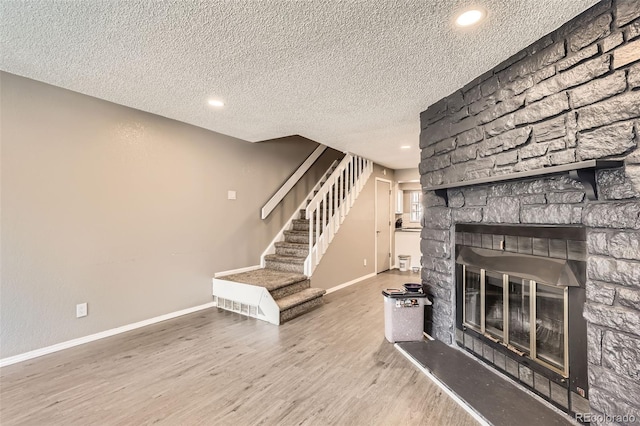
(383, 225)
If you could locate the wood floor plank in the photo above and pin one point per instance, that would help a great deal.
(329, 366)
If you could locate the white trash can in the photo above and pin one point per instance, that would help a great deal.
(404, 262)
(403, 315)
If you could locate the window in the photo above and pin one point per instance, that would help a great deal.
(416, 206)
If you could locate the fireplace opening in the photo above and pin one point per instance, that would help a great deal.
(520, 292)
(499, 306)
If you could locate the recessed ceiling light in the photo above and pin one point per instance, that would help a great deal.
(469, 17)
(216, 103)
(405, 147)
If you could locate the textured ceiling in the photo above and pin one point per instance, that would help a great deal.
(353, 74)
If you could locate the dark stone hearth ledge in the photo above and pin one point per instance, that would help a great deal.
(496, 399)
(583, 171)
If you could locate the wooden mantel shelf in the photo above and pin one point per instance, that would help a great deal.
(583, 171)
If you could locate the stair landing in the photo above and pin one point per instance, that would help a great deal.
(290, 291)
(267, 278)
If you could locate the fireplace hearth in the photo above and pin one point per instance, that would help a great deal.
(520, 292)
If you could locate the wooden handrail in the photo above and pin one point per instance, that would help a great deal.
(290, 183)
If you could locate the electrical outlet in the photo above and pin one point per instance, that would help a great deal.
(365, 262)
(231, 195)
(81, 310)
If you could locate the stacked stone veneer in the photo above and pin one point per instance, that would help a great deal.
(572, 96)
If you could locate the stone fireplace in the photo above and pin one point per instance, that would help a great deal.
(537, 160)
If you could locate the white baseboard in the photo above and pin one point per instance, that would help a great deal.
(347, 284)
(236, 271)
(101, 335)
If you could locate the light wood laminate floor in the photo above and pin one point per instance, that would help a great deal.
(330, 366)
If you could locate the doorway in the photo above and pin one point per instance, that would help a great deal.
(383, 225)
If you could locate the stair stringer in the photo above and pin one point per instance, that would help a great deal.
(245, 299)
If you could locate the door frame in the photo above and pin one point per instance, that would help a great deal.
(375, 223)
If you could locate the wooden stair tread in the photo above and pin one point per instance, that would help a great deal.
(299, 298)
(267, 278)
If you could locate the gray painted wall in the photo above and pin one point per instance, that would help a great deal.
(125, 210)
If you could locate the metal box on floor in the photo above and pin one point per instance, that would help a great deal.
(404, 315)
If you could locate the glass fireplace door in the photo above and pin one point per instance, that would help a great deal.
(520, 313)
(551, 326)
(528, 317)
(494, 304)
(472, 298)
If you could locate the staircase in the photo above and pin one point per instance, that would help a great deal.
(281, 289)
(291, 253)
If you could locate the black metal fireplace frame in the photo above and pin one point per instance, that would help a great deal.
(575, 384)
